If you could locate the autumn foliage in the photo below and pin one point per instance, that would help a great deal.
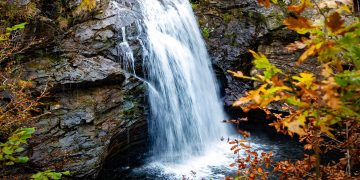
(249, 163)
(321, 108)
(18, 104)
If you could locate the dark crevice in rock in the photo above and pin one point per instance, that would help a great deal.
(110, 80)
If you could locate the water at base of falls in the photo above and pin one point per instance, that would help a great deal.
(214, 163)
(185, 111)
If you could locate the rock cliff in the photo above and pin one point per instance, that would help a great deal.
(94, 109)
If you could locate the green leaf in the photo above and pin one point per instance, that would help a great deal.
(67, 173)
(54, 175)
(293, 101)
(28, 130)
(22, 159)
(20, 149)
(16, 27)
(261, 62)
(10, 163)
(7, 150)
(39, 176)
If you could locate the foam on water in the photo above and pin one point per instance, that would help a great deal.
(213, 164)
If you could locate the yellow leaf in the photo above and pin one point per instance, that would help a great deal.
(309, 52)
(253, 95)
(326, 71)
(306, 79)
(25, 84)
(326, 130)
(295, 124)
(295, 127)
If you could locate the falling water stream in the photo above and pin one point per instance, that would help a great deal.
(186, 113)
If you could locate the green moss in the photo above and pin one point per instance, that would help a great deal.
(227, 17)
(256, 16)
(232, 38)
(206, 32)
(201, 21)
(195, 6)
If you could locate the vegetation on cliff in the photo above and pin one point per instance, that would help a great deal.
(20, 105)
(321, 108)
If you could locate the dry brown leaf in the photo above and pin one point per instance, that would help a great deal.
(334, 22)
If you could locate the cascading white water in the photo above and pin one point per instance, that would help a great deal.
(186, 113)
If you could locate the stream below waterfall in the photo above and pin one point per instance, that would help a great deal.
(214, 164)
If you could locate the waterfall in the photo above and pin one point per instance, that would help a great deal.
(185, 110)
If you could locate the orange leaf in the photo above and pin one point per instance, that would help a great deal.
(232, 142)
(308, 146)
(299, 24)
(266, 3)
(244, 133)
(334, 22)
(237, 150)
(232, 164)
(233, 147)
(245, 146)
(241, 140)
(301, 7)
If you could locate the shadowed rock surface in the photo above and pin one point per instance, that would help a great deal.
(231, 28)
(234, 27)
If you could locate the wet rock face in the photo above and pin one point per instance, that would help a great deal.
(82, 123)
(233, 27)
(230, 28)
(273, 46)
(94, 110)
